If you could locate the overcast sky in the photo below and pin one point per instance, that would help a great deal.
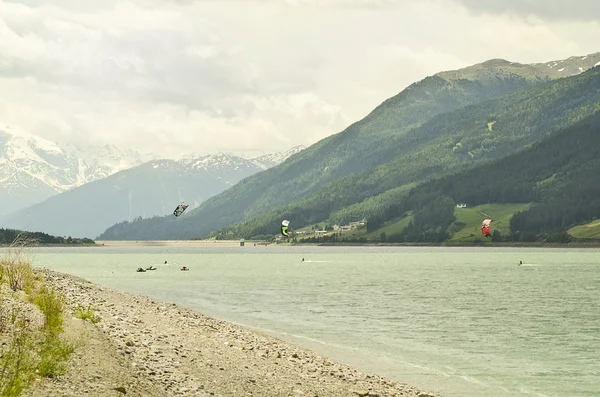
(180, 76)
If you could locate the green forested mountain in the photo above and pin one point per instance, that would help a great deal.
(559, 175)
(432, 128)
(447, 143)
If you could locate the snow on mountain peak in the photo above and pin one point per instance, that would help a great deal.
(226, 160)
(24, 146)
(33, 168)
(220, 161)
(273, 159)
(46, 146)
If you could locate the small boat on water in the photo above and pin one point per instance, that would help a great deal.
(139, 269)
(184, 268)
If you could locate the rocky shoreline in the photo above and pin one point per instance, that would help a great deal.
(144, 347)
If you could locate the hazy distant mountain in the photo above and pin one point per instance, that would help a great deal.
(33, 169)
(150, 189)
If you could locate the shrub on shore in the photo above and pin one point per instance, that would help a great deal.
(29, 349)
(87, 314)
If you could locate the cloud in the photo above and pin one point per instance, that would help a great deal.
(174, 76)
(555, 9)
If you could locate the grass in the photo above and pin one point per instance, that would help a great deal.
(388, 228)
(467, 227)
(588, 231)
(472, 218)
(30, 350)
(468, 222)
(17, 362)
(87, 314)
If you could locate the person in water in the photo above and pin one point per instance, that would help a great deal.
(520, 263)
(302, 259)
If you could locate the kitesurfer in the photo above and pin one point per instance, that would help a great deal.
(180, 208)
(284, 228)
(485, 227)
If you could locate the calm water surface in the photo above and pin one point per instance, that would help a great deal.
(460, 321)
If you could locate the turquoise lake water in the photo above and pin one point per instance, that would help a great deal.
(459, 321)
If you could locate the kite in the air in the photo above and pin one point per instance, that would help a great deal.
(284, 228)
(485, 227)
(180, 208)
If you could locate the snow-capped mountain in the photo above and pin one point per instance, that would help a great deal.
(153, 188)
(217, 162)
(226, 162)
(33, 168)
(273, 159)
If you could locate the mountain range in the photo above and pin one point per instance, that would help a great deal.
(33, 168)
(83, 201)
(440, 125)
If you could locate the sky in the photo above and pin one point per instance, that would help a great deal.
(174, 77)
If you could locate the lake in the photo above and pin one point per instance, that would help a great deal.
(459, 321)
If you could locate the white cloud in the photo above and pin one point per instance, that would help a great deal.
(175, 76)
(555, 9)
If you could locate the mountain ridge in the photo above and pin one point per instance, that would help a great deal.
(536, 71)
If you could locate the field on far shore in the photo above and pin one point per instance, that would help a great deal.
(588, 231)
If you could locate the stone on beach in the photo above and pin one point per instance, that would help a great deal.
(150, 348)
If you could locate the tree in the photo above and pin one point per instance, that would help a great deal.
(497, 236)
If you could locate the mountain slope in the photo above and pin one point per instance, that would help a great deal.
(33, 169)
(151, 189)
(444, 145)
(559, 175)
(350, 167)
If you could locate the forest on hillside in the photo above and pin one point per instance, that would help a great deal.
(8, 236)
(560, 175)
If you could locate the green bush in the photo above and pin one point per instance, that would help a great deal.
(87, 314)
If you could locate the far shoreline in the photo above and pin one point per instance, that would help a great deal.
(167, 243)
(594, 244)
(249, 243)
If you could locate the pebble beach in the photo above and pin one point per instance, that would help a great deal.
(144, 347)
